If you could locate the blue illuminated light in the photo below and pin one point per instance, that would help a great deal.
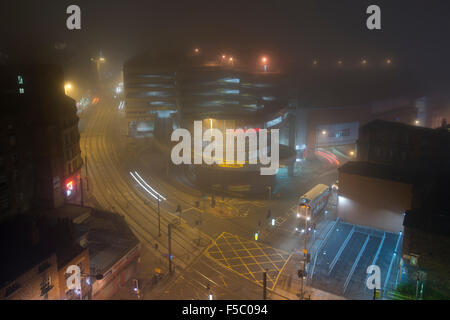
(232, 80)
(274, 122)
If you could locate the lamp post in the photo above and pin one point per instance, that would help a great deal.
(99, 60)
(159, 219)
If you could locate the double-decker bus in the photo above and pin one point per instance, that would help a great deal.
(313, 202)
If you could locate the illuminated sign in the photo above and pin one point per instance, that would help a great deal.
(231, 165)
(69, 188)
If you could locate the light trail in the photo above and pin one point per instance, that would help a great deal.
(145, 182)
(143, 187)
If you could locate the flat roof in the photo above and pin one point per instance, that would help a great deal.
(380, 171)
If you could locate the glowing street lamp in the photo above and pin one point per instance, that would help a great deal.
(364, 62)
(196, 50)
(388, 61)
(324, 132)
(265, 61)
(67, 88)
(352, 153)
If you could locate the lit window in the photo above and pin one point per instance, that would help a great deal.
(21, 90)
(20, 79)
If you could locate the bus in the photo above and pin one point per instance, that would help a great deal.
(313, 202)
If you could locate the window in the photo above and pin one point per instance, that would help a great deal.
(46, 286)
(20, 79)
(342, 133)
(21, 90)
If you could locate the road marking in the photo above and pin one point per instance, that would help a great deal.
(247, 258)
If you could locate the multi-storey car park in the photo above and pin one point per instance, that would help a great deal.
(165, 92)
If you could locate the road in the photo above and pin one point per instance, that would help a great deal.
(127, 176)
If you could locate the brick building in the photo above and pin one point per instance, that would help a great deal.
(29, 268)
(402, 145)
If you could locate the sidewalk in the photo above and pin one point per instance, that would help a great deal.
(289, 284)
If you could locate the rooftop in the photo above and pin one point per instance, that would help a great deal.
(380, 171)
(108, 236)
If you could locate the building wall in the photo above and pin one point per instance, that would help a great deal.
(16, 165)
(29, 284)
(48, 121)
(117, 275)
(82, 260)
(397, 144)
(373, 202)
(330, 116)
(337, 134)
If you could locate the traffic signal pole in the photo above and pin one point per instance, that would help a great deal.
(159, 220)
(265, 285)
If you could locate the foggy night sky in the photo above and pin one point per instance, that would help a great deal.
(414, 33)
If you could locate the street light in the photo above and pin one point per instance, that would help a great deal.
(98, 61)
(67, 88)
(265, 61)
(352, 153)
(324, 132)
